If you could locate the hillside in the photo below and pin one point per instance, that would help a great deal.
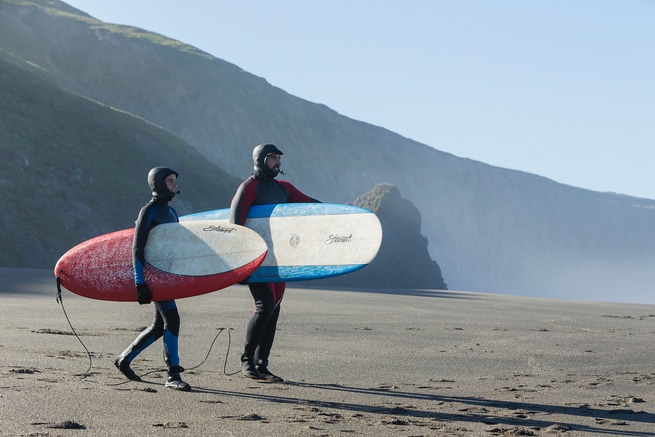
(73, 168)
(491, 229)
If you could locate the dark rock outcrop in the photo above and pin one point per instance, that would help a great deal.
(403, 260)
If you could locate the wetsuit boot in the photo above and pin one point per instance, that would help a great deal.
(248, 368)
(175, 380)
(264, 373)
(145, 339)
(123, 365)
(122, 362)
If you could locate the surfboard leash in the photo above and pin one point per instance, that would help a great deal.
(227, 353)
(60, 301)
(211, 346)
(87, 373)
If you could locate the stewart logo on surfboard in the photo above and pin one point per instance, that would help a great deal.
(219, 228)
(338, 239)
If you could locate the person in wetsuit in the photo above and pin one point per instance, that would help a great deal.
(262, 188)
(163, 183)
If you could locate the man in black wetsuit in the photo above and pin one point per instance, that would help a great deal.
(262, 188)
(163, 183)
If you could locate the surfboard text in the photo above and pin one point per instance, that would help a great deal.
(338, 239)
(219, 228)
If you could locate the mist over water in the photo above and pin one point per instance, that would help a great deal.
(606, 281)
(590, 280)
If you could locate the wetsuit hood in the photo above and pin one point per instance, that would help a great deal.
(259, 154)
(157, 182)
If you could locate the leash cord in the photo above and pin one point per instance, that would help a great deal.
(87, 373)
(60, 300)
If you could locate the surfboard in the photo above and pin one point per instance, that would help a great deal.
(308, 240)
(183, 260)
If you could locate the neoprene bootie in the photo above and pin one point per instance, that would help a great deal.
(175, 380)
(123, 365)
(248, 368)
(264, 373)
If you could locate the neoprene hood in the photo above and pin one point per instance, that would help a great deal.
(157, 182)
(259, 154)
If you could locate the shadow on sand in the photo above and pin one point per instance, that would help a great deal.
(523, 410)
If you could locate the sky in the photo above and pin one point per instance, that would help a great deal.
(559, 88)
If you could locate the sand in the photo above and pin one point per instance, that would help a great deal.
(401, 363)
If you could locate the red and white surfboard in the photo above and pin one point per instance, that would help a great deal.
(183, 260)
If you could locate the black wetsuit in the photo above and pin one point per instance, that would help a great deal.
(258, 189)
(166, 322)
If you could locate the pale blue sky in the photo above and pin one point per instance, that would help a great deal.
(561, 88)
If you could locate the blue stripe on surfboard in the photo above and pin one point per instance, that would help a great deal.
(303, 209)
(300, 273)
(217, 214)
(281, 210)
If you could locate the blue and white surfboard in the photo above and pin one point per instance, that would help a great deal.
(309, 240)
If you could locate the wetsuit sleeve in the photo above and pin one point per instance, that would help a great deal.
(141, 230)
(295, 195)
(242, 200)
